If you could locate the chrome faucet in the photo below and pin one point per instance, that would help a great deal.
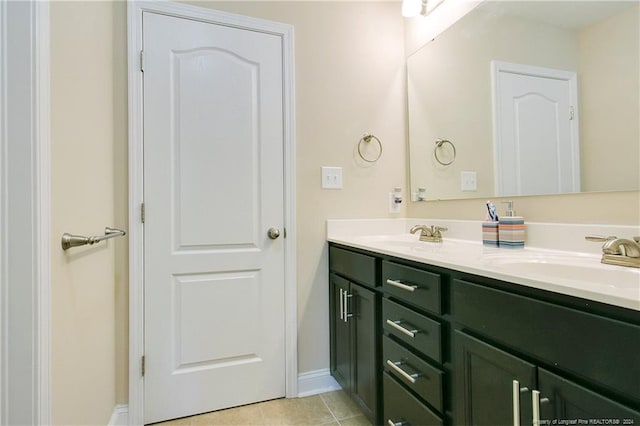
(431, 233)
(619, 251)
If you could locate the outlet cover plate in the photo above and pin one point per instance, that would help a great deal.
(331, 177)
(468, 181)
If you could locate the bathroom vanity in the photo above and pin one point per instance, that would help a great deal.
(415, 342)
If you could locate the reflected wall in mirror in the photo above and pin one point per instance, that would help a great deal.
(587, 139)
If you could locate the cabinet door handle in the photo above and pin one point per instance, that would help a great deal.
(396, 366)
(397, 325)
(517, 390)
(392, 423)
(535, 397)
(402, 285)
(341, 305)
(346, 297)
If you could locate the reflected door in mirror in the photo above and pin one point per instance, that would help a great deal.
(536, 132)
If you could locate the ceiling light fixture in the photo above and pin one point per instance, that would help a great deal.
(412, 8)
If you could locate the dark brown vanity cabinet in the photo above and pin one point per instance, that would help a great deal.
(519, 360)
(354, 335)
(433, 346)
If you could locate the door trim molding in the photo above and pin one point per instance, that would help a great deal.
(136, 195)
(25, 223)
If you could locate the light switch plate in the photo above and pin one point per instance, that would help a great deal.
(331, 177)
(468, 181)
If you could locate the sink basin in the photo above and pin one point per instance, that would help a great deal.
(574, 268)
(412, 243)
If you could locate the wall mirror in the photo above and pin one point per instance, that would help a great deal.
(527, 98)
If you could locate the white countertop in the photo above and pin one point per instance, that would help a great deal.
(571, 273)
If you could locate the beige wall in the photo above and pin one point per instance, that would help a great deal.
(609, 86)
(86, 104)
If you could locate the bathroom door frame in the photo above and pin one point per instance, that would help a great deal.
(135, 10)
(25, 214)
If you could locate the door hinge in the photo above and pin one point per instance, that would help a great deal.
(142, 212)
(142, 365)
(571, 113)
(142, 60)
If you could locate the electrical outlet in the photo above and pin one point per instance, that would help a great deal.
(332, 177)
(394, 202)
(468, 181)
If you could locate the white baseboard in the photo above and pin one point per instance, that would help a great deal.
(120, 416)
(315, 382)
(309, 383)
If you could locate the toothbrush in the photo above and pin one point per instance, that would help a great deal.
(491, 208)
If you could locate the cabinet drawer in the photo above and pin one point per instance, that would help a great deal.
(413, 371)
(420, 332)
(400, 407)
(595, 348)
(355, 266)
(411, 285)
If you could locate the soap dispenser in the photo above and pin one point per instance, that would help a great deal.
(511, 228)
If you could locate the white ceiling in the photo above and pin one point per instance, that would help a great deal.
(573, 15)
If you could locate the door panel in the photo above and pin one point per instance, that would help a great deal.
(365, 376)
(484, 383)
(213, 185)
(201, 306)
(565, 400)
(340, 334)
(224, 109)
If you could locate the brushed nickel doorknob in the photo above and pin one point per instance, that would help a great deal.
(273, 233)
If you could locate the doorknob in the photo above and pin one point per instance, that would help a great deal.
(273, 233)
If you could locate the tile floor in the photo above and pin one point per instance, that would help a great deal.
(331, 408)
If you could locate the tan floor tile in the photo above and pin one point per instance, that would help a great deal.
(186, 421)
(248, 415)
(356, 421)
(296, 411)
(340, 404)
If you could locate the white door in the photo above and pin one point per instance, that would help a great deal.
(213, 186)
(536, 131)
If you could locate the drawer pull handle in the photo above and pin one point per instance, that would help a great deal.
(392, 423)
(402, 285)
(396, 366)
(397, 325)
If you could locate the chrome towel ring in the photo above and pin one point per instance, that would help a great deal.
(367, 139)
(439, 144)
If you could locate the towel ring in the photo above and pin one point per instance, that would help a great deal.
(439, 143)
(367, 138)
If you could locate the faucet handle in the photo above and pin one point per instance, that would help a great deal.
(437, 230)
(599, 238)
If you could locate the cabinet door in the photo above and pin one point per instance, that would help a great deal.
(364, 349)
(484, 378)
(565, 400)
(340, 332)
